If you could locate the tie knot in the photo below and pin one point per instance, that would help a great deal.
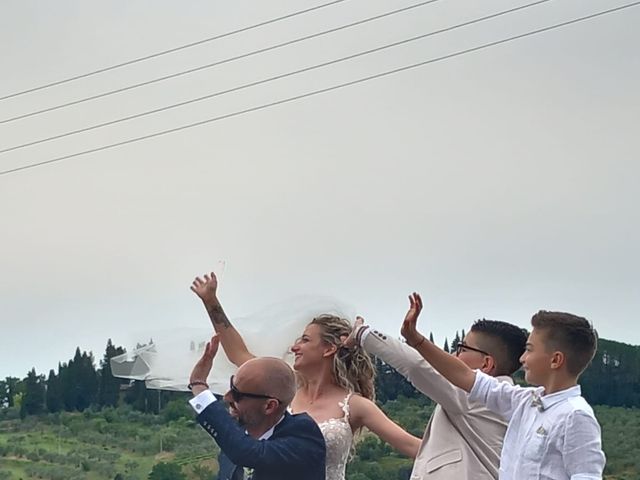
(248, 473)
(536, 401)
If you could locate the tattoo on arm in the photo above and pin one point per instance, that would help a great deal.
(217, 316)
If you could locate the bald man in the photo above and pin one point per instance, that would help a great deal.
(258, 437)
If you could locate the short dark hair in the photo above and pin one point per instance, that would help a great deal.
(504, 341)
(570, 334)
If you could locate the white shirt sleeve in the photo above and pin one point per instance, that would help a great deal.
(582, 450)
(202, 401)
(499, 397)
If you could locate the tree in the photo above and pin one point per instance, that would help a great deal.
(87, 382)
(176, 409)
(137, 396)
(9, 388)
(109, 390)
(4, 394)
(446, 345)
(389, 383)
(53, 397)
(167, 471)
(78, 381)
(201, 472)
(613, 378)
(455, 342)
(66, 375)
(33, 401)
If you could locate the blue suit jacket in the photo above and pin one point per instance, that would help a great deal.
(295, 450)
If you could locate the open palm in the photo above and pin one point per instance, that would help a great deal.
(409, 326)
(206, 288)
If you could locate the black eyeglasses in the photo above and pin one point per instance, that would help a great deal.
(463, 346)
(237, 395)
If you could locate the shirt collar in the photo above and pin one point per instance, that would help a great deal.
(550, 400)
(269, 432)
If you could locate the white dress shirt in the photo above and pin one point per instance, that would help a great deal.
(549, 437)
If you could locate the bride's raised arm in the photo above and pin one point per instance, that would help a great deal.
(232, 342)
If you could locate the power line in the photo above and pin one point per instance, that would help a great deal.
(325, 90)
(269, 79)
(220, 62)
(172, 50)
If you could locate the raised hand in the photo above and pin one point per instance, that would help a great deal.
(206, 289)
(409, 326)
(202, 368)
(352, 341)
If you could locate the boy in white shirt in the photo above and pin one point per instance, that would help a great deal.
(552, 432)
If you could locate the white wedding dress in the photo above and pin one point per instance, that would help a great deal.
(338, 438)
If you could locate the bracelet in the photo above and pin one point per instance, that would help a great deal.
(420, 342)
(193, 384)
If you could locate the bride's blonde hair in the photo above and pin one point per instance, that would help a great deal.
(353, 369)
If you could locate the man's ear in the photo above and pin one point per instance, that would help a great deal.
(271, 406)
(558, 359)
(489, 365)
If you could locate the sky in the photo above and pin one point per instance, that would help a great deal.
(495, 183)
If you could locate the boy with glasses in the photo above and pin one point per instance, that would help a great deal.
(552, 433)
(462, 439)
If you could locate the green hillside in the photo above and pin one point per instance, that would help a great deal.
(82, 423)
(125, 444)
(105, 444)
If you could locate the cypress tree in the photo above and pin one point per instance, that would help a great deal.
(87, 379)
(456, 341)
(33, 400)
(53, 398)
(66, 375)
(109, 385)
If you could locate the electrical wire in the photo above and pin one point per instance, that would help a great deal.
(328, 89)
(171, 50)
(269, 79)
(215, 64)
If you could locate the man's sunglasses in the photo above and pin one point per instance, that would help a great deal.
(463, 346)
(237, 395)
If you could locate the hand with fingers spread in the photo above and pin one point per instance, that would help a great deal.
(409, 326)
(202, 368)
(353, 340)
(206, 289)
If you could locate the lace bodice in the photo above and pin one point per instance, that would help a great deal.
(338, 438)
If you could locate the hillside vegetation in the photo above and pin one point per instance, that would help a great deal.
(79, 423)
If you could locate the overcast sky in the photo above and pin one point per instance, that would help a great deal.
(496, 183)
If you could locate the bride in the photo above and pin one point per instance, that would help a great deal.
(335, 384)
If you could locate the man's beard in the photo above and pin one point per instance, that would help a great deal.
(236, 415)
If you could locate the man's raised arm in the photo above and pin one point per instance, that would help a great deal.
(453, 369)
